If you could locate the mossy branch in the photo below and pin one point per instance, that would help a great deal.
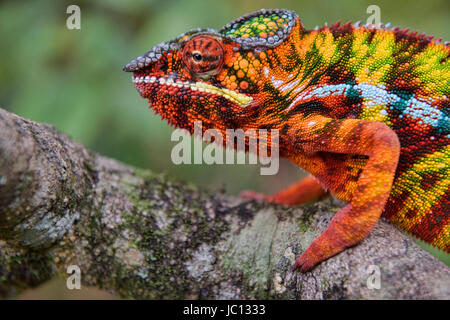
(142, 235)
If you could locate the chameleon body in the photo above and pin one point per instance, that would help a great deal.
(364, 109)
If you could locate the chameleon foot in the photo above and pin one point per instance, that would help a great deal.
(307, 261)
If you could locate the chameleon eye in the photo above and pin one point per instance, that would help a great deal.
(197, 57)
(203, 54)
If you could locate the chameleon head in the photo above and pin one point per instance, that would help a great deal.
(213, 76)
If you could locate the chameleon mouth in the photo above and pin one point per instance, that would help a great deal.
(241, 99)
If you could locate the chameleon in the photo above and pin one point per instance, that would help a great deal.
(363, 109)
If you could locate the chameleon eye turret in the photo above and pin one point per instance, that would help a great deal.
(202, 54)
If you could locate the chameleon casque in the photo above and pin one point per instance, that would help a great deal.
(364, 109)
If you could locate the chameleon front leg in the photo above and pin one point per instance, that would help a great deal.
(307, 189)
(318, 135)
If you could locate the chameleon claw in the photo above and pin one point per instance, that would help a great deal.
(307, 260)
(313, 255)
(304, 263)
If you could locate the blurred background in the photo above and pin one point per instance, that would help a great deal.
(73, 79)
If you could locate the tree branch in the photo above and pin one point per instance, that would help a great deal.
(142, 235)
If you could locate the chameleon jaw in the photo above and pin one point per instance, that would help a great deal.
(240, 99)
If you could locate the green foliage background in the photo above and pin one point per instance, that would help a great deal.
(73, 79)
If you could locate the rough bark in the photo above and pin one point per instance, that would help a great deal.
(143, 235)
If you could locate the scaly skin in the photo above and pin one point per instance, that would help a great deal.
(364, 110)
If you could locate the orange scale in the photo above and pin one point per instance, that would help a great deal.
(251, 72)
(243, 63)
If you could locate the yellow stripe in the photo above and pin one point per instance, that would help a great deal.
(374, 113)
(326, 46)
(421, 199)
(372, 62)
(434, 74)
